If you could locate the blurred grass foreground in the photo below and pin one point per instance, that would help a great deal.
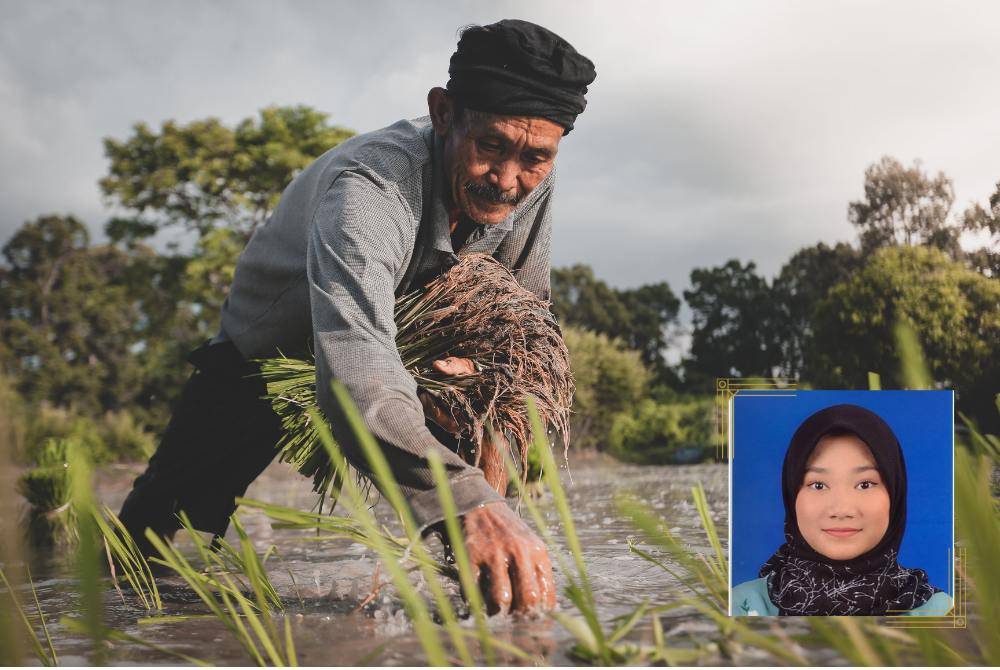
(231, 581)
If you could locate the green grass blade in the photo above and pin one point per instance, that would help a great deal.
(123, 548)
(36, 643)
(629, 623)
(225, 611)
(644, 520)
(41, 617)
(581, 589)
(88, 557)
(466, 577)
(390, 489)
(290, 654)
(416, 609)
(979, 529)
(913, 365)
(720, 566)
(874, 381)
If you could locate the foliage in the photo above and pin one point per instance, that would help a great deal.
(954, 311)
(87, 556)
(209, 273)
(67, 323)
(594, 644)
(356, 503)
(98, 328)
(609, 379)
(112, 436)
(13, 417)
(904, 206)
(204, 174)
(656, 433)
(220, 588)
(124, 555)
(733, 325)
(981, 220)
(123, 437)
(642, 318)
(46, 655)
(803, 281)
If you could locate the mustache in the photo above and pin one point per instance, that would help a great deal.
(492, 193)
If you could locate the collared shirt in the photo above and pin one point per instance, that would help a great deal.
(364, 224)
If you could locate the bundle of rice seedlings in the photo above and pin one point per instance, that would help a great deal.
(50, 518)
(477, 311)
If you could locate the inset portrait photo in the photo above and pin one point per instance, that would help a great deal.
(842, 503)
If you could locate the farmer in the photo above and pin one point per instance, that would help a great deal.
(370, 220)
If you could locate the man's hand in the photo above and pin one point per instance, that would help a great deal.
(453, 367)
(490, 460)
(510, 563)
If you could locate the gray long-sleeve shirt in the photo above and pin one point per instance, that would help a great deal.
(365, 223)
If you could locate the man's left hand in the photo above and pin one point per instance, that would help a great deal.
(490, 460)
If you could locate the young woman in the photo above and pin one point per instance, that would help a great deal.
(844, 489)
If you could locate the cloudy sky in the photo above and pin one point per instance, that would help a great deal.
(714, 130)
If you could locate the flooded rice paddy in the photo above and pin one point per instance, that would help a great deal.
(327, 585)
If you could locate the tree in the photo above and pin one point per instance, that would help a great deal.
(208, 275)
(580, 299)
(954, 310)
(219, 182)
(802, 283)
(67, 318)
(978, 219)
(641, 318)
(652, 310)
(733, 331)
(905, 206)
(203, 174)
(609, 379)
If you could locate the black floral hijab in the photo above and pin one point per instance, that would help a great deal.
(800, 580)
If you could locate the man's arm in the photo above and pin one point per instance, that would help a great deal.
(358, 240)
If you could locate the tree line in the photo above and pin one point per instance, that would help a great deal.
(827, 318)
(91, 333)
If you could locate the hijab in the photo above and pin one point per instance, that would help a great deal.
(800, 580)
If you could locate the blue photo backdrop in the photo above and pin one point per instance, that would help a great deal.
(763, 424)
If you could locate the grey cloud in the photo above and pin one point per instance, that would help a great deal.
(714, 130)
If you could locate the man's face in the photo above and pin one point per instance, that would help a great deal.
(493, 162)
(842, 508)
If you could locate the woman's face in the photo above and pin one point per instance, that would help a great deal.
(842, 507)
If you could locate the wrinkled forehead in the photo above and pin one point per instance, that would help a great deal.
(535, 131)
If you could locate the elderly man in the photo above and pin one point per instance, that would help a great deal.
(372, 219)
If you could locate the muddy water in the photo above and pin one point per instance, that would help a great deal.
(324, 582)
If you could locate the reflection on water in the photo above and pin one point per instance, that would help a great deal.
(324, 582)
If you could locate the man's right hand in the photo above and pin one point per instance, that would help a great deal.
(510, 563)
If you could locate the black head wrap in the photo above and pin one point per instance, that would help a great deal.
(800, 580)
(517, 68)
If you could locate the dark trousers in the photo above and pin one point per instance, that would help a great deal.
(221, 436)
